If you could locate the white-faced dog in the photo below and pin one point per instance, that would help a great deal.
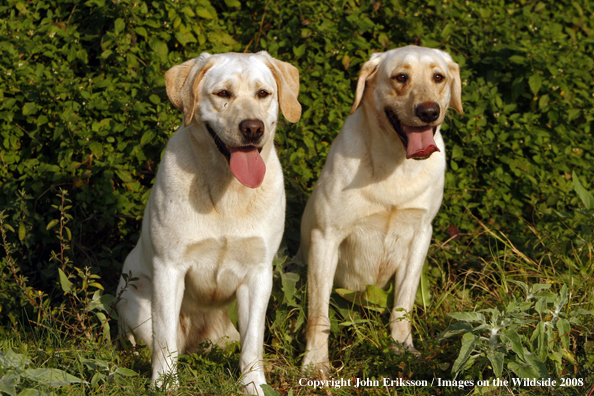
(216, 213)
(368, 220)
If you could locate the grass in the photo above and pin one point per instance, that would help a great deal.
(360, 344)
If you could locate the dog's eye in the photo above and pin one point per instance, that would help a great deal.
(223, 94)
(262, 93)
(401, 78)
(438, 78)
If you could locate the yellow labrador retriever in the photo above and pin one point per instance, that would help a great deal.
(368, 220)
(215, 216)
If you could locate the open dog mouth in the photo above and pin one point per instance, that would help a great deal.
(245, 162)
(418, 141)
(223, 148)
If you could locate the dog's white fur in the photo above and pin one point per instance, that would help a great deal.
(206, 238)
(368, 220)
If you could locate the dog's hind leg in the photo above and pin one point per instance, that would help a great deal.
(134, 307)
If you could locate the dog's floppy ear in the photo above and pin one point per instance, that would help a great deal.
(367, 72)
(455, 87)
(182, 81)
(455, 82)
(287, 80)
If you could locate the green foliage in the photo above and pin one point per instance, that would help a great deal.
(31, 381)
(529, 334)
(106, 371)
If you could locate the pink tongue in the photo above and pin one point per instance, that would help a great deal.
(247, 166)
(420, 141)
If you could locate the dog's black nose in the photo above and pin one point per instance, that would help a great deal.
(252, 129)
(428, 111)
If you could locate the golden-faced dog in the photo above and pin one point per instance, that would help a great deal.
(215, 216)
(368, 220)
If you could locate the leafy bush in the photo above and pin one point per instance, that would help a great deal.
(503, 339)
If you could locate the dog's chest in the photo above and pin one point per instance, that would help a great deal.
(377, 246)
(216, 267)
(407, 186)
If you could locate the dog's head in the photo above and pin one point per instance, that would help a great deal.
(410, 89)
(235, 98)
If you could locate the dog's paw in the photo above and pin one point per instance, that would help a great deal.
(254, 389)
(399, 349)
(320, 369)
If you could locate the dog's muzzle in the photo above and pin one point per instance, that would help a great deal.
(418, 141)
(245, 162)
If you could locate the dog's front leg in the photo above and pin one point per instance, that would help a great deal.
(167, 295)
(322, 262)
(406, 284)
(252, 300)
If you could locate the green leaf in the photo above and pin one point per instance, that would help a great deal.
(585, 195)
(29, 108)
(9, 359)
(289, 280)
(457, 152)
(550, 297)
(126, 372)
(540, 286)
(454, 330)
(125, 176)
(64, 282)
(537, 365)
(468, 316)
(96, 378)
(52, 223)
(103, 320)
(141, 31)
(468, 342)
(97, 285)
(221, 37)
(522, 370)
(8, 383)
(102, 302)
(52, 377)
(22, 231)
(516, 342)
(204, 13)
(541, 305)
(232, 312)
(522, 285)
(96, 148)
(535, 82)
(374, 298)
(119, 25)
(233, 3)
(160, 48)
(268, 391)
(423, 292)
(496, 359)
(33, 392)
(95, 364)
(564, 328)
(188, 12)
(299, 51)
(539, 338)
